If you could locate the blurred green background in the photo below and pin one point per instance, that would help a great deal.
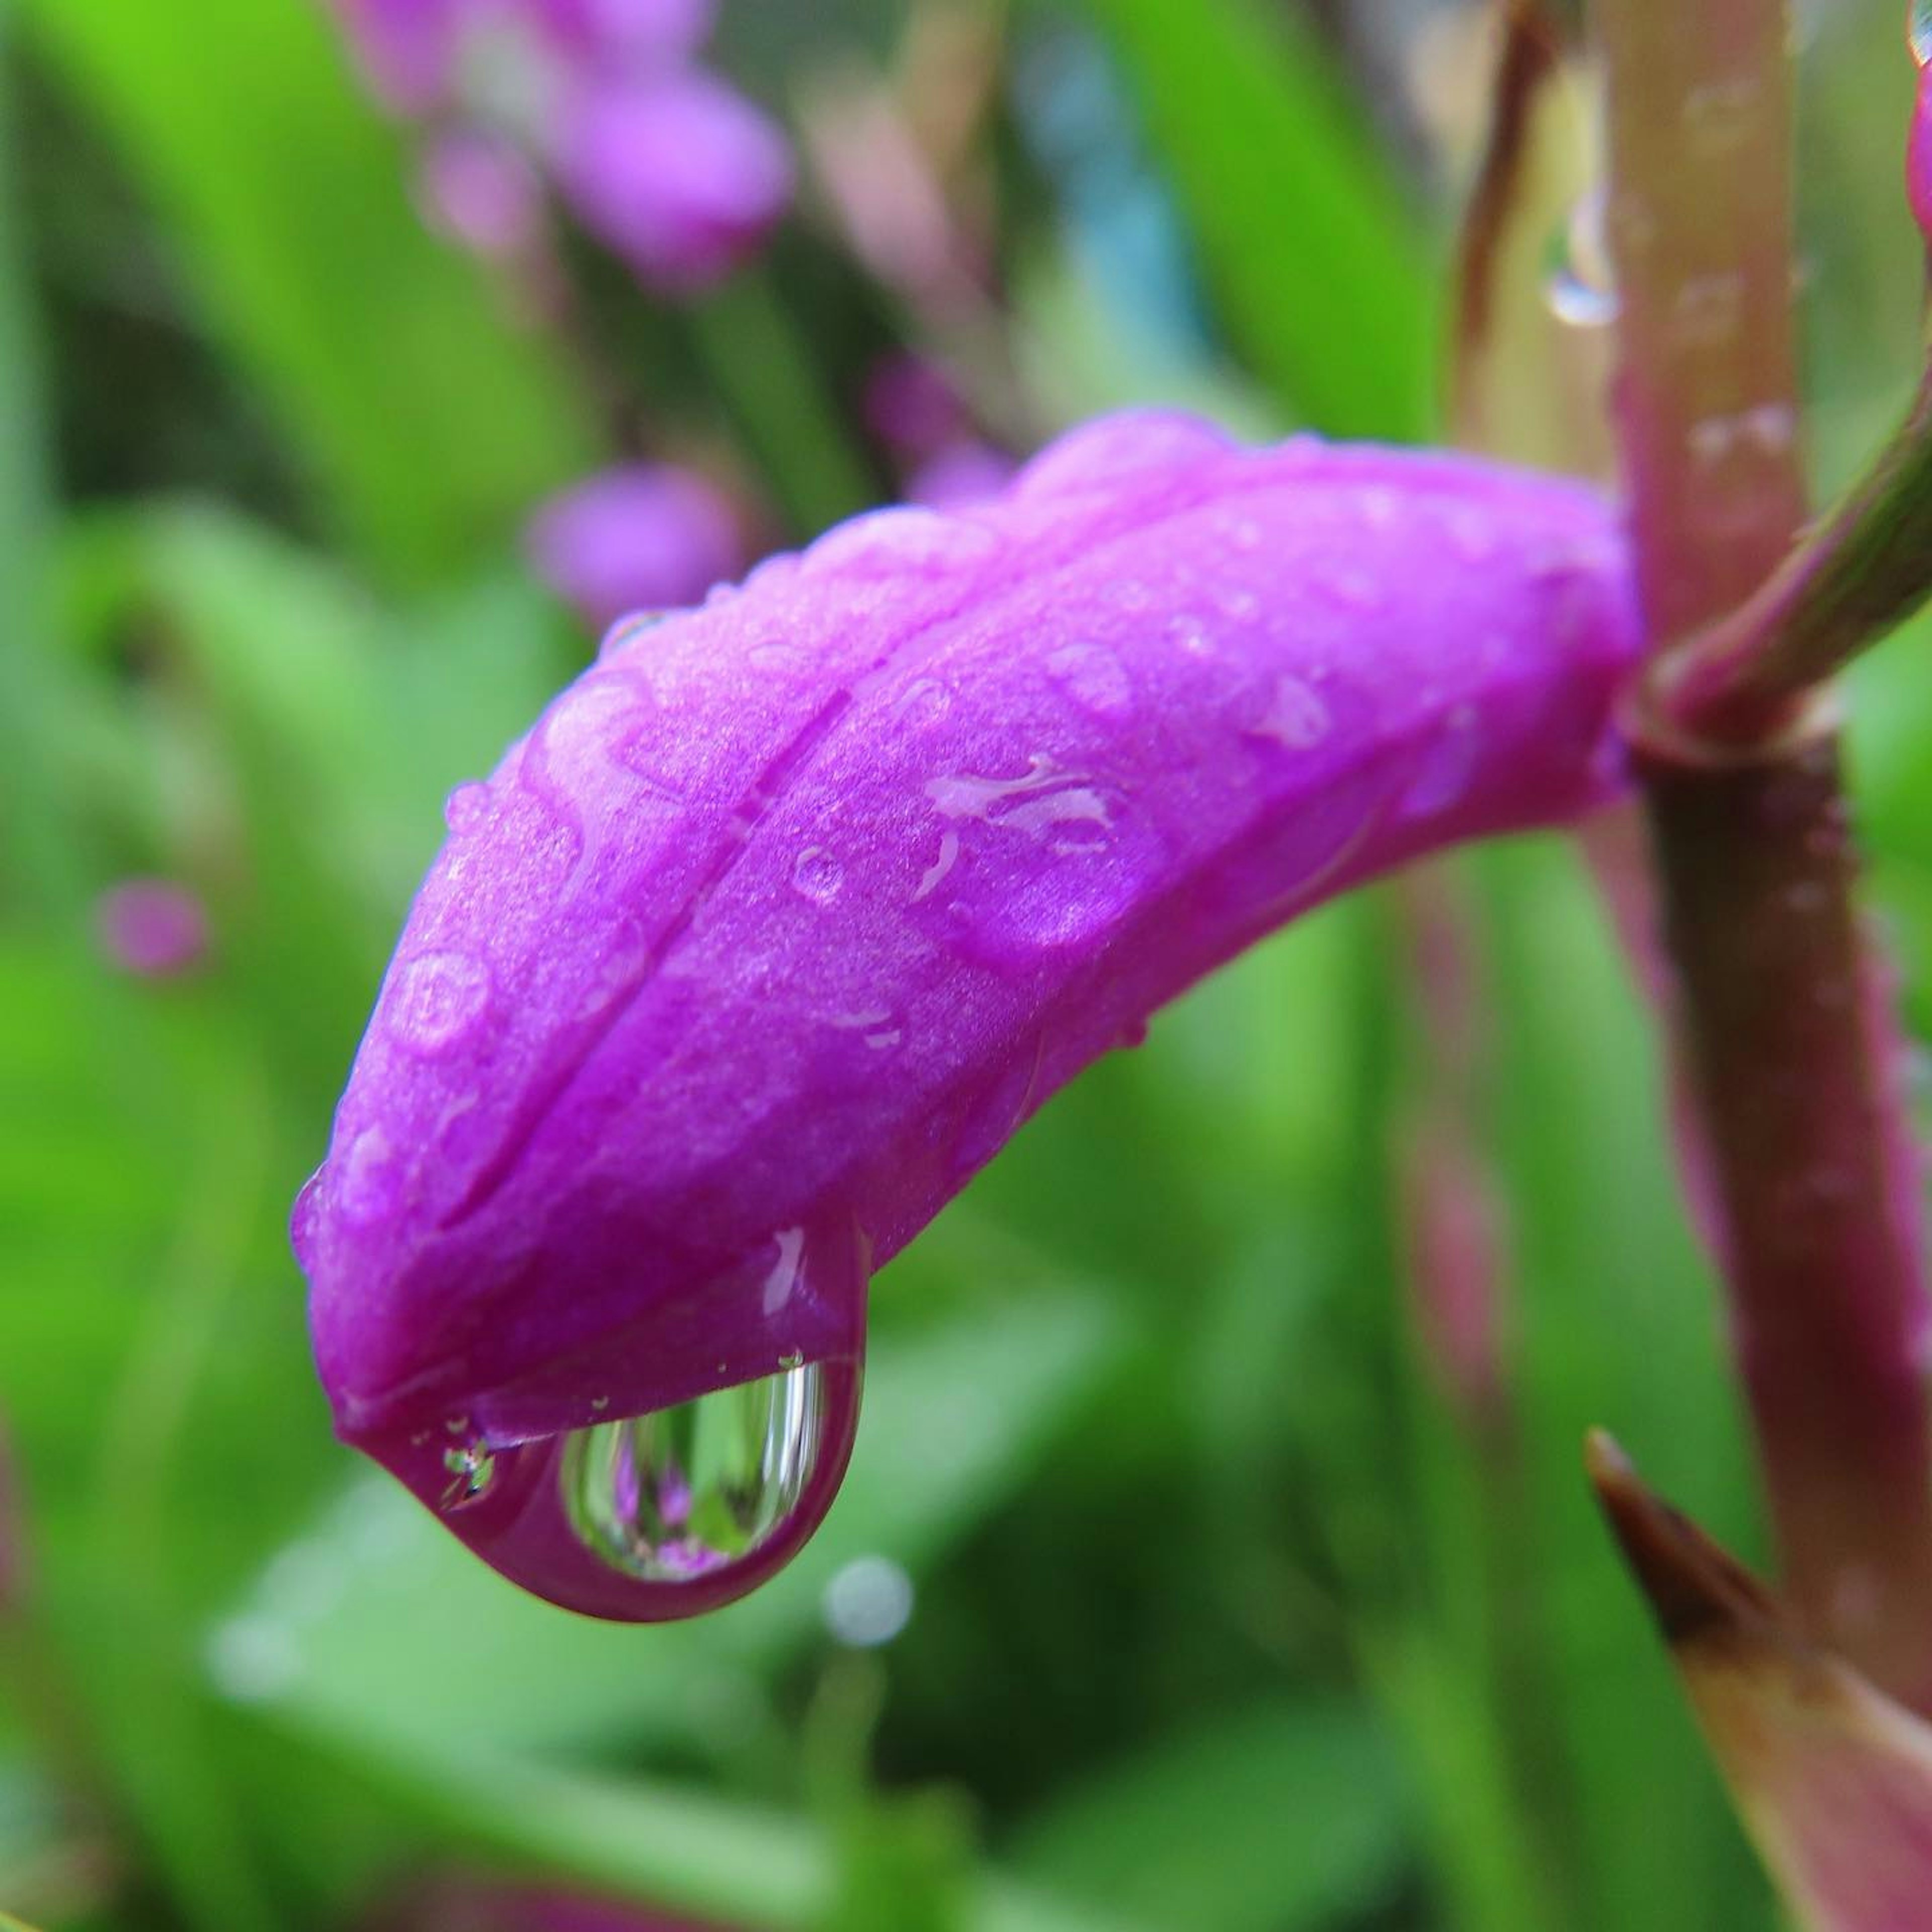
(1233, 1607)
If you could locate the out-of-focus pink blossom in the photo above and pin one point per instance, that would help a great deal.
(481, 190)
(677, 174)
(407, 48)
(643, 537)
(911, 405)
(962, 474)
(636, 33)
(152, 929)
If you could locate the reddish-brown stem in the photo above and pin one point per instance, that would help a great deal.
(1790, 1048)
(1862, 570)
(1792, 1055)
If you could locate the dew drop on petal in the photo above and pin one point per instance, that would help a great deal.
(817, 873)
(683, 1492)
(437, 999)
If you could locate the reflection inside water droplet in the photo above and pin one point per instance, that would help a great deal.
(684, 1492)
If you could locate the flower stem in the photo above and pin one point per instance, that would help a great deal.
(1790, 1047)
(1862, 570)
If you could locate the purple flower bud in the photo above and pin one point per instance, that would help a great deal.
(632, 34)
(791, 909)
(911, 405)
(645, 537)
(481, 190)
(678, 175)
(151, 928)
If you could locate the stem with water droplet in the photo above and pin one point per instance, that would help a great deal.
(1791, 1046)
(1859, 573)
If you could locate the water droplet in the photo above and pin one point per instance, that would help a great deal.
(1098, 454)
(627, 630)
(467, 807)
(1094, 677)
(817, 873)
(1296, 716)
(879, 1029)
(868, 1602)
(925, 702)
(786, 1270)
(1447, 767)
(1581, 290)
(934, 877)
(436, 1001)
(882, 543)
(1919, 31)
(367, 1187)
(683, 1492)
(1765, 430)
(1709, 308)
(1190, 631)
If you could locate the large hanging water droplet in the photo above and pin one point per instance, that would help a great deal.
(684, 1492)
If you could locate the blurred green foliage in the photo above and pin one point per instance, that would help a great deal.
(1227, 1616)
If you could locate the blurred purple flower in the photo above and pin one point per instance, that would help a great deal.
(407, 48)
(152, 928)
(481, 189)
(633, 34)
(645, 537)
(677, 174)
(961, 474)
(789, 911)
(911, 406)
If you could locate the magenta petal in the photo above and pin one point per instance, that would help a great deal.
(1918, 155)
(677, 174)
(407, 48)
(791, 909)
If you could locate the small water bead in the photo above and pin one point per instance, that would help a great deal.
(1918, 31)
(369, 1187)
(884, 543)
(817, 874)
(437, 1000)
(467, 808)
(1296, 717)
(684, 1492)
(925, 702)
(1765, 430)
(1094, 677)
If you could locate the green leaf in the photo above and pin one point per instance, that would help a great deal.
(428, 426)
(1288, 1815)
(1302, 233)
